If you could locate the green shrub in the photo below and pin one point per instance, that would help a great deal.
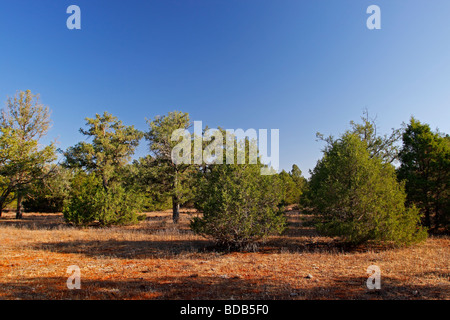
(239, 206)
(89, 203)
(47, 204)
(357, 197)
(48, 194)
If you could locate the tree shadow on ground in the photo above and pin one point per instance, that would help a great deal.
(167, 288)
(129, 249)
(217, 288)
(301, 236)
(33, 221)
(297, 239)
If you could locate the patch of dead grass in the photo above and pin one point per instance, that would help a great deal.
(157, 260)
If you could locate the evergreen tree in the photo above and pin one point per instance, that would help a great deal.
(173, 179)
(356, 196)
(239, 206)
(425, 167)
(111, 148)
(292, 185)
(98, 194)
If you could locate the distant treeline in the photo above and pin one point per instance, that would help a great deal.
(355, 191)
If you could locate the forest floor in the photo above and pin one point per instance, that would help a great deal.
(157, 260)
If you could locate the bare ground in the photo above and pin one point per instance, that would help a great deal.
(157, 260)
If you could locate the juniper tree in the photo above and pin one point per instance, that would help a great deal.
(238, 205)
(356, 196)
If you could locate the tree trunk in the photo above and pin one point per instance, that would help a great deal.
(3, 199)
(19, 211)
(175, 200)
(176, 210)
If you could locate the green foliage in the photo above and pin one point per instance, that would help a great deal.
(101, 196)
(89, 202)
(239, 206)
(23, 160)
(111, 148)
(172, 180)
(143, 178)
(289, 192)
(7, 197)
(292, 185)
(384, 147)
(356, 196)
(49, 193)
(425, 168)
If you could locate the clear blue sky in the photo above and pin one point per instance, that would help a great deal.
(297, 66)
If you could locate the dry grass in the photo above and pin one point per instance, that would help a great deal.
(157, 260)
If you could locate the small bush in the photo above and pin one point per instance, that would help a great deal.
(89, 202)
(239, 206)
